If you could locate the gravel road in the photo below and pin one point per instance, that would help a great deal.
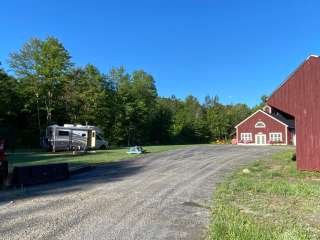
(158, 196)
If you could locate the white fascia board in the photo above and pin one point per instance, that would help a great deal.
(263, 113)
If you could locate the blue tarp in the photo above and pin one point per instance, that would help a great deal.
(136, 150)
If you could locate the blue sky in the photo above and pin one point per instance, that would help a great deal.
(238, 50)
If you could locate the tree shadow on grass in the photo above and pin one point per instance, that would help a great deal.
(28, 157)
(102, 173)
(96, 158)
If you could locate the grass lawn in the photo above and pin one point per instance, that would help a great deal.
(101, 156)
(272, 201)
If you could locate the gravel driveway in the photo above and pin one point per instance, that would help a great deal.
(158, 196)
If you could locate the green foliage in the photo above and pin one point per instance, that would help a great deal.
(49, 89)
(230, 224)
(271, 201)
(136, 98)
(41, 67)
(87, 96)
(262, 103)
(9, 98)
(221, 119)
(189, 122)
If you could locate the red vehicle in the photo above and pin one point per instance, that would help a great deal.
(3, 163)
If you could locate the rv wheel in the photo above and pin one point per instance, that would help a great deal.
(103, 147)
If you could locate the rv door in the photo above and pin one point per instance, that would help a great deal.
(92, 139)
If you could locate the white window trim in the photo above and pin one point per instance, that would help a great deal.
(272, 133)
(259, 122)
(243, 138)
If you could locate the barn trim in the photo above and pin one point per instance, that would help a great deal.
(260, 124)
(263, 113)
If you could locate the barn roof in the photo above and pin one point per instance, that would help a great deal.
(282, 120)
(287, 121)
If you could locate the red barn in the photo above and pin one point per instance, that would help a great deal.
(265, 128)
(299, 97)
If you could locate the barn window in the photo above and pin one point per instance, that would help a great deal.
(276, 137)
(246, 136)
(260, 124)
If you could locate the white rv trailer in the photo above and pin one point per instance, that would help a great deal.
(74, 137)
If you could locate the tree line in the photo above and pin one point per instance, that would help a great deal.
(46, 87)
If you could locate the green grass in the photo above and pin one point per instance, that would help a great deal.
(272, 201)
(20, 158)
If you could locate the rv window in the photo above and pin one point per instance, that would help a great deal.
(83, 134)
(63, 133)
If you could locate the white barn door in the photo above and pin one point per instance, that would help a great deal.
(260, 139)
(294, 139)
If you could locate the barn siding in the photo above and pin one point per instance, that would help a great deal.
(290, 137)
(299, 96)
(271, 126)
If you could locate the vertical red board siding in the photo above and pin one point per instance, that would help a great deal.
(299, 96)
(289, 137)
(272, 125)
